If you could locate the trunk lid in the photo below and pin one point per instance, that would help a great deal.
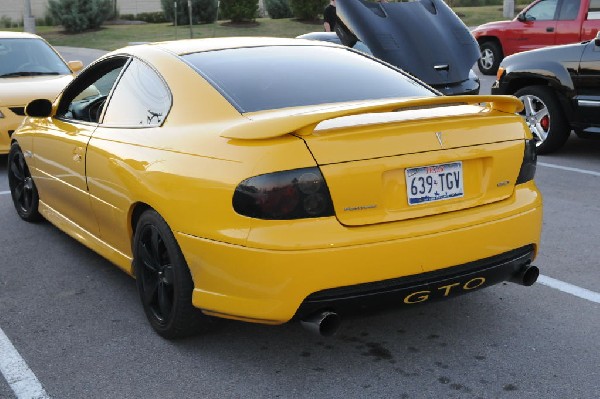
(372, 163)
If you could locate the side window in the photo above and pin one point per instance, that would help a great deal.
(569, 10)
(141, 98)
(594, 10)
(545, 10)
(84, 99)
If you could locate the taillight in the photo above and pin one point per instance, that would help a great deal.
(528, 166)
(291, 194)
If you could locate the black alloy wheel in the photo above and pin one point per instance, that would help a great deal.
(22, 187)
(163, 279)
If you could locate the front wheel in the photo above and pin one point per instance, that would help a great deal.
(22, 187)
(163, 279)
(491, 55)
(545, 118)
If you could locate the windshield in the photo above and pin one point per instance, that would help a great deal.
(29, 57)
(273, 77)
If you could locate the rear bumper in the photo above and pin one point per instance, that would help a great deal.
(426, 287)
(272, 286)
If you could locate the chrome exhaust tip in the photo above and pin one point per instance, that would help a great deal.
(323, 323)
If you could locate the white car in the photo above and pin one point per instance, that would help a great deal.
(29, 69)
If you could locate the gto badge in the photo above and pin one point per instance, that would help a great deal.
(445, 290)
(439, 137)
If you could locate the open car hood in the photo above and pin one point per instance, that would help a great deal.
(423, 37)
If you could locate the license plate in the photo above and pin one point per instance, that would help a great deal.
(434, 183)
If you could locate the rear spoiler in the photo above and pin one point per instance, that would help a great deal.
(304, 124)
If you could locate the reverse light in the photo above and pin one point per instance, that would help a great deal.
(529, 164)
(291, 194)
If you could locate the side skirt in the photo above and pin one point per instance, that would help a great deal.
(86, 238)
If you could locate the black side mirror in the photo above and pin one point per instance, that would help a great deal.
(521, 17)
(597, 39)
(39, 108)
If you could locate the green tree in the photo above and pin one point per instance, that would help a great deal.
(203, 11)
(308, 10)
(239, 10)
(79, 15)
(278, 9)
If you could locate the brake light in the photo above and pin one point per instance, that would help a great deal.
(529, 164)
(291, 194)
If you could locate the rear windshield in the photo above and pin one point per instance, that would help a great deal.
(261, 78)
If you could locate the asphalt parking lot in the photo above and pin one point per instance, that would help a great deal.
(71, 325)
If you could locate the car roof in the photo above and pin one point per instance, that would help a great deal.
(181, 47)
(324, 36)
(17, 35)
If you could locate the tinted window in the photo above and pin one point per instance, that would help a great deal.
(141, 98)
(273, 77)
(542, 11)
(569, 10)
(84, 98)
(27, 57)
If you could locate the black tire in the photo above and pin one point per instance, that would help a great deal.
(491, 55)
(545, 118)
(22, 187)
(164, 281)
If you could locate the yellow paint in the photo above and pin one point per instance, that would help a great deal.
(261, 270)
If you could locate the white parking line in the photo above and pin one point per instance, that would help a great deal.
(16, 372)
(4, 192)
(584, 171)
(569, 288)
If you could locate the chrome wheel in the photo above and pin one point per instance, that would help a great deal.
(537, 117)
(545, 117)
(487, 58)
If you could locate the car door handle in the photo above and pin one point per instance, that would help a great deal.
(550, 29)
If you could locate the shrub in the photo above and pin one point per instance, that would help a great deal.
(203, 11)
(79, 15)
(239, 10)
(278, 9)
(6, 22)
(308, 10)
(152, 17)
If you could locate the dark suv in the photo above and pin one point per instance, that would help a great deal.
(560, 88)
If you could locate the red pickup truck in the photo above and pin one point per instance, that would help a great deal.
(542, 23)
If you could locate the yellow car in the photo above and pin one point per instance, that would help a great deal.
(29, 69)
(265, 180)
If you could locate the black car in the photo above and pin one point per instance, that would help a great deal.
(560, 88)
(424, 38)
